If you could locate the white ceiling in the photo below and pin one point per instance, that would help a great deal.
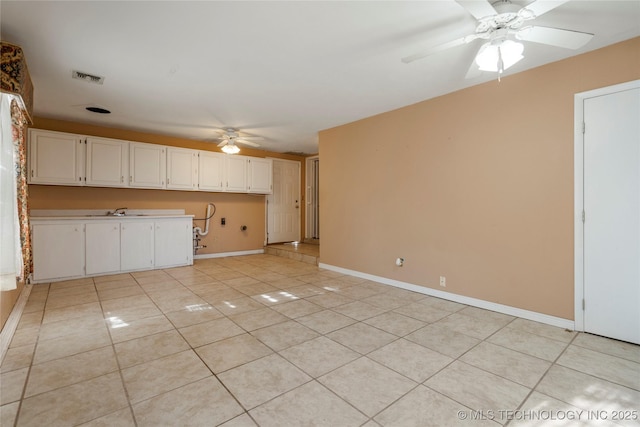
(281, 70)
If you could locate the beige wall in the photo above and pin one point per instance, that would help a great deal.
(238, 209)
(7, 301)
(476, 186)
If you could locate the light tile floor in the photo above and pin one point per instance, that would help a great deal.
(270, 341)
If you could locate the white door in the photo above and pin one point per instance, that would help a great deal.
(283, 205)
(612, 215)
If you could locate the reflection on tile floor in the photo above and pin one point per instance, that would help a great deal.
(271, 341)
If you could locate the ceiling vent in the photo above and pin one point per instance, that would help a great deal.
(90, 78)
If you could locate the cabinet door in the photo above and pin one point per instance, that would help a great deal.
(102, 247)
(107, 162)
(147, 165)
(211, 171)
(236, 174)
(136, 247)
(58, 251)
(173, 243)
(260, 175)
(182, 169)
(55, 158)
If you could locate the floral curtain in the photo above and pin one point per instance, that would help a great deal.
(19, 135)
(17, 103)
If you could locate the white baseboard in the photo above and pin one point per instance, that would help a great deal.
(227, 254)
(10, 326)
(488, 305)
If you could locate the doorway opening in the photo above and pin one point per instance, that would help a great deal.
(312, 232)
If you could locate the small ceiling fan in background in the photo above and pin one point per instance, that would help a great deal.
(231, 137)
(502, 24)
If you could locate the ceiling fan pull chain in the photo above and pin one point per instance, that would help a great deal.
(500, 63)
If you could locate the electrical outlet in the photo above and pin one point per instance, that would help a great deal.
(223, 221)
(443, 281)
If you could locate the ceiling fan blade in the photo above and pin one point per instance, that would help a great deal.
(540, 7)
(252, 138)
(223, 143)
(478, 8)
(438, 48)
(554, 36)
(249, 143)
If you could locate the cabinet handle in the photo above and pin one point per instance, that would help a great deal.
(167, 181)
(130, 178)
(122, 178)
(31, 173)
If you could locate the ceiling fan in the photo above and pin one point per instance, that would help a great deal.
(502, 24)
(231, 137)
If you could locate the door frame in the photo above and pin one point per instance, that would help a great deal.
(578, 170)
(309, 189)
(267, 213)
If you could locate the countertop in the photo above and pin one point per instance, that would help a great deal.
(101, 215)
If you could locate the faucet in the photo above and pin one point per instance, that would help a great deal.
(117, 212)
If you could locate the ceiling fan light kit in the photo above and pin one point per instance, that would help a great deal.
(497, 56)
(231, 149)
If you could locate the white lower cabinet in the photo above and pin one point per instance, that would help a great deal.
(58, 251)
(67, 249)
(136, 250)
(173, 244)
(102, 247)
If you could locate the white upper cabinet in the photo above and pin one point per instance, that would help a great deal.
(107, 162)
(260, 175)
(182, 169)
(236, 171)
(58, 158)
(211, 171)
(55, 158)
(147, 165)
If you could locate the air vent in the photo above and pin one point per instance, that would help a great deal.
(91, 78)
